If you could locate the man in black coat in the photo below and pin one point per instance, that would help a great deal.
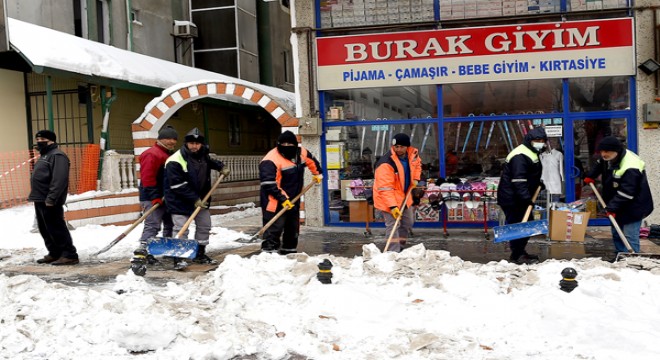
(50, 185)
(187, 181)
(626, 190)
(521, 176)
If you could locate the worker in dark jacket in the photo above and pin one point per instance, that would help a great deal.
(187, 181)
(50, 185)
(281, 173)
(152, 176)
(521, 177)
(626, 190)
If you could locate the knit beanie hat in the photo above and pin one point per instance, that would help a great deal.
(610, 143)
(46, 134)
(168, 132)
(194, 135)
(287, 137)
(401, 139)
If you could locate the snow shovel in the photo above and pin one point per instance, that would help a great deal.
(256, 236)
(127, 231)
(398, 220)
(623, 237)
(522, 229)
(178, 247)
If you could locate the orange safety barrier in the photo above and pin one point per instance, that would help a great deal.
(16, 169)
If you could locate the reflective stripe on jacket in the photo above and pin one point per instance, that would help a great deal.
(521, 176)
(389, 179)
(283, 178)
(626, 190)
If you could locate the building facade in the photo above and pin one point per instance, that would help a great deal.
(466, 80)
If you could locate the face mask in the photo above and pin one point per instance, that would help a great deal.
(41, 145)
(538, 146)
(288, 152)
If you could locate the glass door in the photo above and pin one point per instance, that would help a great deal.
(586, 135)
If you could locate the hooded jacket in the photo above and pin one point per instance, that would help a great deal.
(522, 171)
(50, 178)
(626, 190)
(389, 179)
(188, 178)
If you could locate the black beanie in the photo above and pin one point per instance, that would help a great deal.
(287, 137)
(401, 139)
(168, 132)
(610, 143)
(194, 135)
(46, 134)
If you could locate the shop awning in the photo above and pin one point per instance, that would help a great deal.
(49, 51)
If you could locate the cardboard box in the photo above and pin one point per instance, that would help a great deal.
(568, 226)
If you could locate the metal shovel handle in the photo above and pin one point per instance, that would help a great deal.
(612, 220)
(199, 208)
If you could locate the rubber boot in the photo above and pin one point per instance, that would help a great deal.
(201, 257)
(139, 262)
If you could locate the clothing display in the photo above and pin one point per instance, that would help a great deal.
(553, 171)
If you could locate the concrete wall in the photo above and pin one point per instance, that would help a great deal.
(647, 91)
(54, 14)
(14, 134)
(304, 17)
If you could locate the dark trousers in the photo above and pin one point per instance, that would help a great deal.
(514, 215)
(287, 226)
(53, 230)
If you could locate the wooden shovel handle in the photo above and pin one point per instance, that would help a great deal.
(612, 220)
(283, 210)
(529, 208)
(198, 209)
(398, 220)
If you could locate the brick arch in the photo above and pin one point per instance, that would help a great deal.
(145, 128)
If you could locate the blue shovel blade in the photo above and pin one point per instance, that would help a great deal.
(520, 230)
(181, 248)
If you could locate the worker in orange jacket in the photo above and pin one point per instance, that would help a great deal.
(281, 174)
(396, 173)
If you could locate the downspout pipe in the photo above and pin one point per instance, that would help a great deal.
(106, 103)
(49, 103)
(129, 23)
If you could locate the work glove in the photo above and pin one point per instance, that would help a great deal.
(608, 214)
(287, 204)
(158, 201)
(528, 202)
(542, 185)
(225, 171)
(414, 183)
(589, 180)
(49, 204)
(318, 178)
(396, 213)
(200, 204)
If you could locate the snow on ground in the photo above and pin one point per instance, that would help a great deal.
(418, 304)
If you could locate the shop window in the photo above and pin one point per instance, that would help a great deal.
(599, 93)
(478, 148)
(409, 102)
(503, 97)
(351, 155)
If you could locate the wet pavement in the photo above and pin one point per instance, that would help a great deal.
(468, 244)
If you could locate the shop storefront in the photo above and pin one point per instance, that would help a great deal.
(466, 97)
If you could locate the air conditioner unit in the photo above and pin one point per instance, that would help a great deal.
(184, 29)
